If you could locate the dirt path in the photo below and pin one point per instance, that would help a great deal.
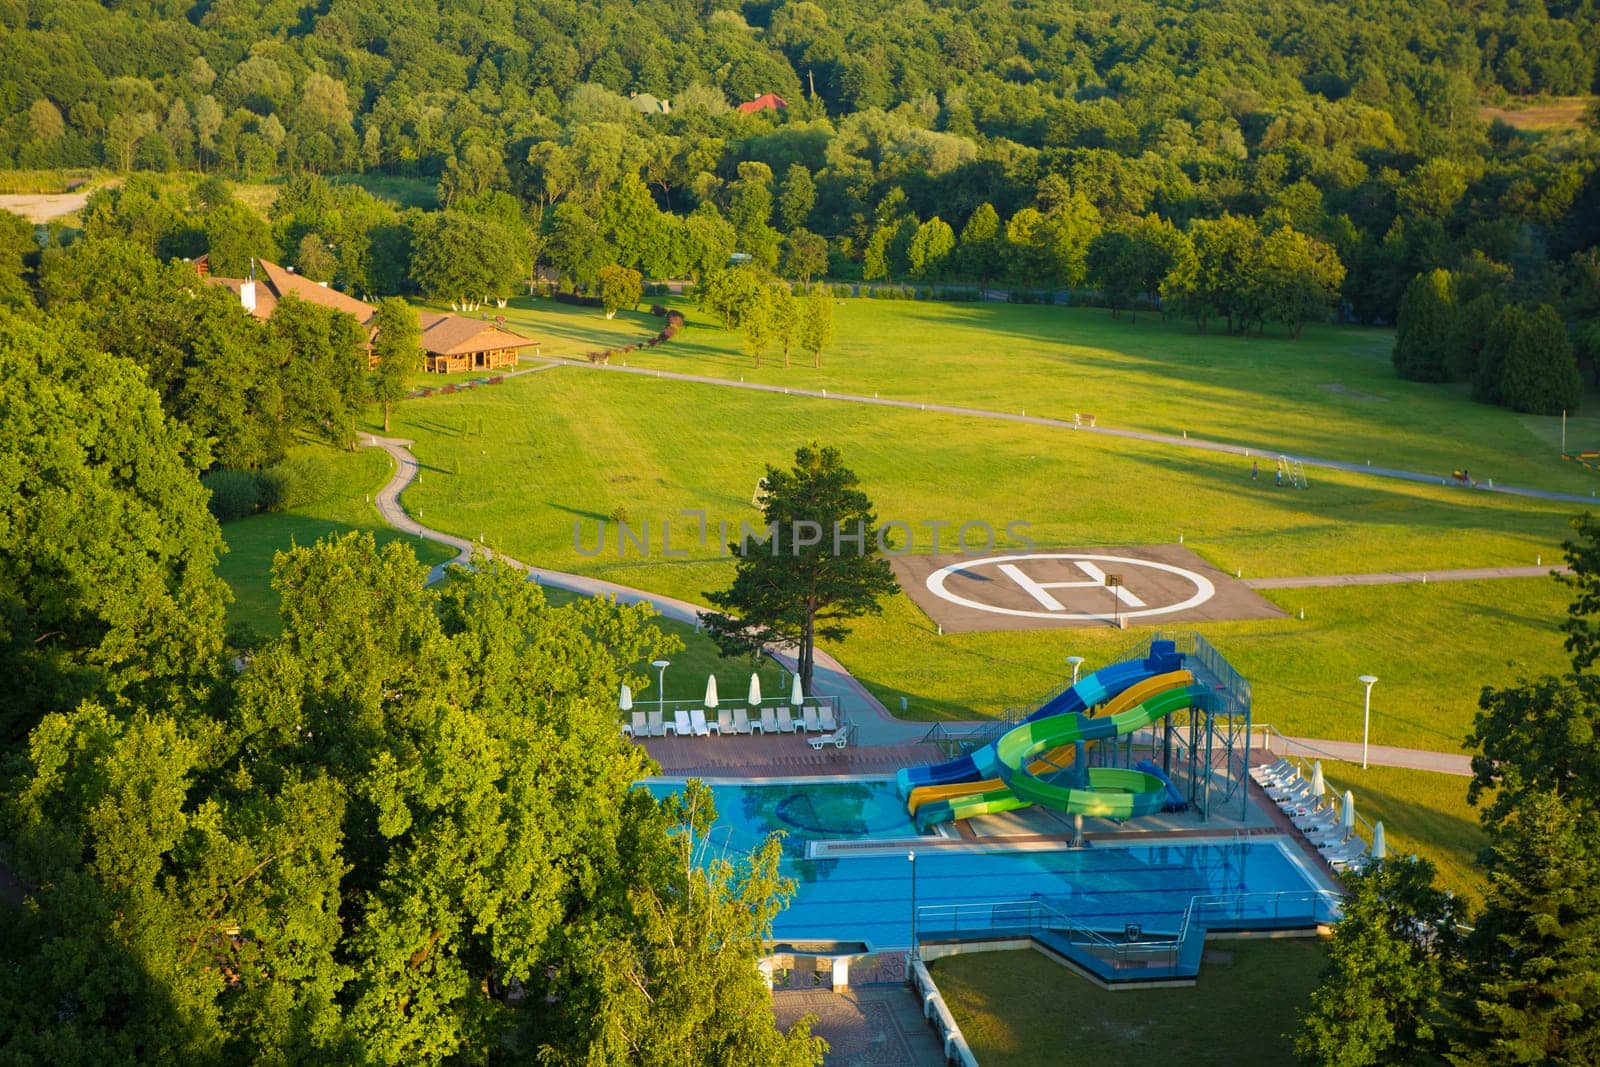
(40, 208)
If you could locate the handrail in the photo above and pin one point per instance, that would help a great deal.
(1037, 913)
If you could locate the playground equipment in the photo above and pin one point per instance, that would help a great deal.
(1192, 718)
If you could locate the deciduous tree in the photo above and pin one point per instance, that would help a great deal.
(619, 287)
(398, 349)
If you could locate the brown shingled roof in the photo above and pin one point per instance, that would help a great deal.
(283, 282)
(452, 335)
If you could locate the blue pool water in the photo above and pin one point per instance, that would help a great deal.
(867, 898)
(809, 811)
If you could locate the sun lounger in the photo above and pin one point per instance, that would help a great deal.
(769, 720)
(810, 722)
(639, 728)
(697, 723)
(657, 725)
(725, 723)
(785, 720)
(826, 718)
(838, 739)
(1276, 769)
(680, 723)
(1345, 853)
(741, 722)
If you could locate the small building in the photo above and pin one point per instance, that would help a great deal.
(649, 104)
(449, 342)
(453, 343)
(764, 102)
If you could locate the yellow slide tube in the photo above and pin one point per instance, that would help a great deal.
(1057, 758)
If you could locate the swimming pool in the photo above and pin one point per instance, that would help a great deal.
(865, 809)
(867, 898)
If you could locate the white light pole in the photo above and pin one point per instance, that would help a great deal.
(1366, 716)
(661, 666)
(912, 857)
(1077, 662)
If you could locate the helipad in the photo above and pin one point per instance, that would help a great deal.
(1062, 587)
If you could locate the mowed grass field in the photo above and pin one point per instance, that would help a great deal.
(1020, 1009)
(540, 465)
(1332, 393)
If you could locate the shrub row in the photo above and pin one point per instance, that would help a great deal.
(293, 483)
(675, 322)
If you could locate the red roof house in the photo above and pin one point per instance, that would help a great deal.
(764, 102)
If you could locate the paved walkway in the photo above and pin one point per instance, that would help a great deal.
(1108, 431)
(1474, 574)
(874, 724)
(870, 1026)
(1417, 759)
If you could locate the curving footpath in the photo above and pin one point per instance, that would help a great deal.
(874, 724)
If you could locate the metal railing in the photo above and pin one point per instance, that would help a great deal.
(1100, 950)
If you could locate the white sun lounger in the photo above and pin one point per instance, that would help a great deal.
(639, 728)
(697, 723)
(785, 720)
(838, 739)
(658, 727)
(742, 723)
(725, 723)
(825, 717)
(810, 722)
(769, 720)
(680, 723)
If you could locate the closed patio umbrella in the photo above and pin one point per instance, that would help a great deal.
(1318, 786)
(1347, 816)
(755, 690)
(797, 695)
(626, 701)
(1380, 847)
(711, 690)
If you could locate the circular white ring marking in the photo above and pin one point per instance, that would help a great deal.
(1204, 590)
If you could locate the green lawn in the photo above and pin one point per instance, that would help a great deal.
(1019, 1009)
(1331, 393)
(1422, 813)
(547, 457)
(252, 542)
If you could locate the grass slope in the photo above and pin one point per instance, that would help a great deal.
(1019, 1009)
(252, 542)
(1422, 813)
(547, 458)
(1332, 393)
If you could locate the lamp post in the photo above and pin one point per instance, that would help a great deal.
(1366, 716)
(661, 666)
(1076, 661)
(912, 857)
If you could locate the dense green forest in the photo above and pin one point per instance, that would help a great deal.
(1354, 124)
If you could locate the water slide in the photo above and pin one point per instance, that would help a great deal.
(1055, 760)
(1095, 689)
(935, 804)
(1107, 792)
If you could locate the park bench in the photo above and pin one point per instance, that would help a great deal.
(1080, 418)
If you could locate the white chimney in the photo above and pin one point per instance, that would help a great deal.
(247, 296)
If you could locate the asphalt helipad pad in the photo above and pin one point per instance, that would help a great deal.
(1067, 587)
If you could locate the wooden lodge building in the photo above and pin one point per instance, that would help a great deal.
(449, 342)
